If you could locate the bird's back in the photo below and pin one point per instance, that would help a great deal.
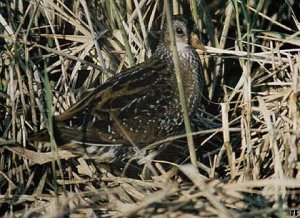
(139, 107)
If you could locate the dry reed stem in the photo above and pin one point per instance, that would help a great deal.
(244, 171)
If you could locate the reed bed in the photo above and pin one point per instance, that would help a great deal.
(246, 132)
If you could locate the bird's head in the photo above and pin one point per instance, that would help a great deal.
(181, 32)
(184, 31)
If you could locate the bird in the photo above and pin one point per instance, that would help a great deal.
(140, 105)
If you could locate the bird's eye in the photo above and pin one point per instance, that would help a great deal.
(179, 31)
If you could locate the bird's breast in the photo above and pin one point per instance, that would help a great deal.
(191, 72)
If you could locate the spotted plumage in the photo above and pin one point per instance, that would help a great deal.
(141, 104)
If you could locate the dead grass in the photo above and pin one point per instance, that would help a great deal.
(247, 137)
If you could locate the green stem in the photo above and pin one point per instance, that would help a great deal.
(123, 33)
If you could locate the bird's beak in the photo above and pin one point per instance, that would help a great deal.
(196, 43)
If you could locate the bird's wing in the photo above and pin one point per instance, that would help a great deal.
(134, 80)
(90, 119)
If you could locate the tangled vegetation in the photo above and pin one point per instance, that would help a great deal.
(247, 133)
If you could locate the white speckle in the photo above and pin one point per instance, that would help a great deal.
(91, 149)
